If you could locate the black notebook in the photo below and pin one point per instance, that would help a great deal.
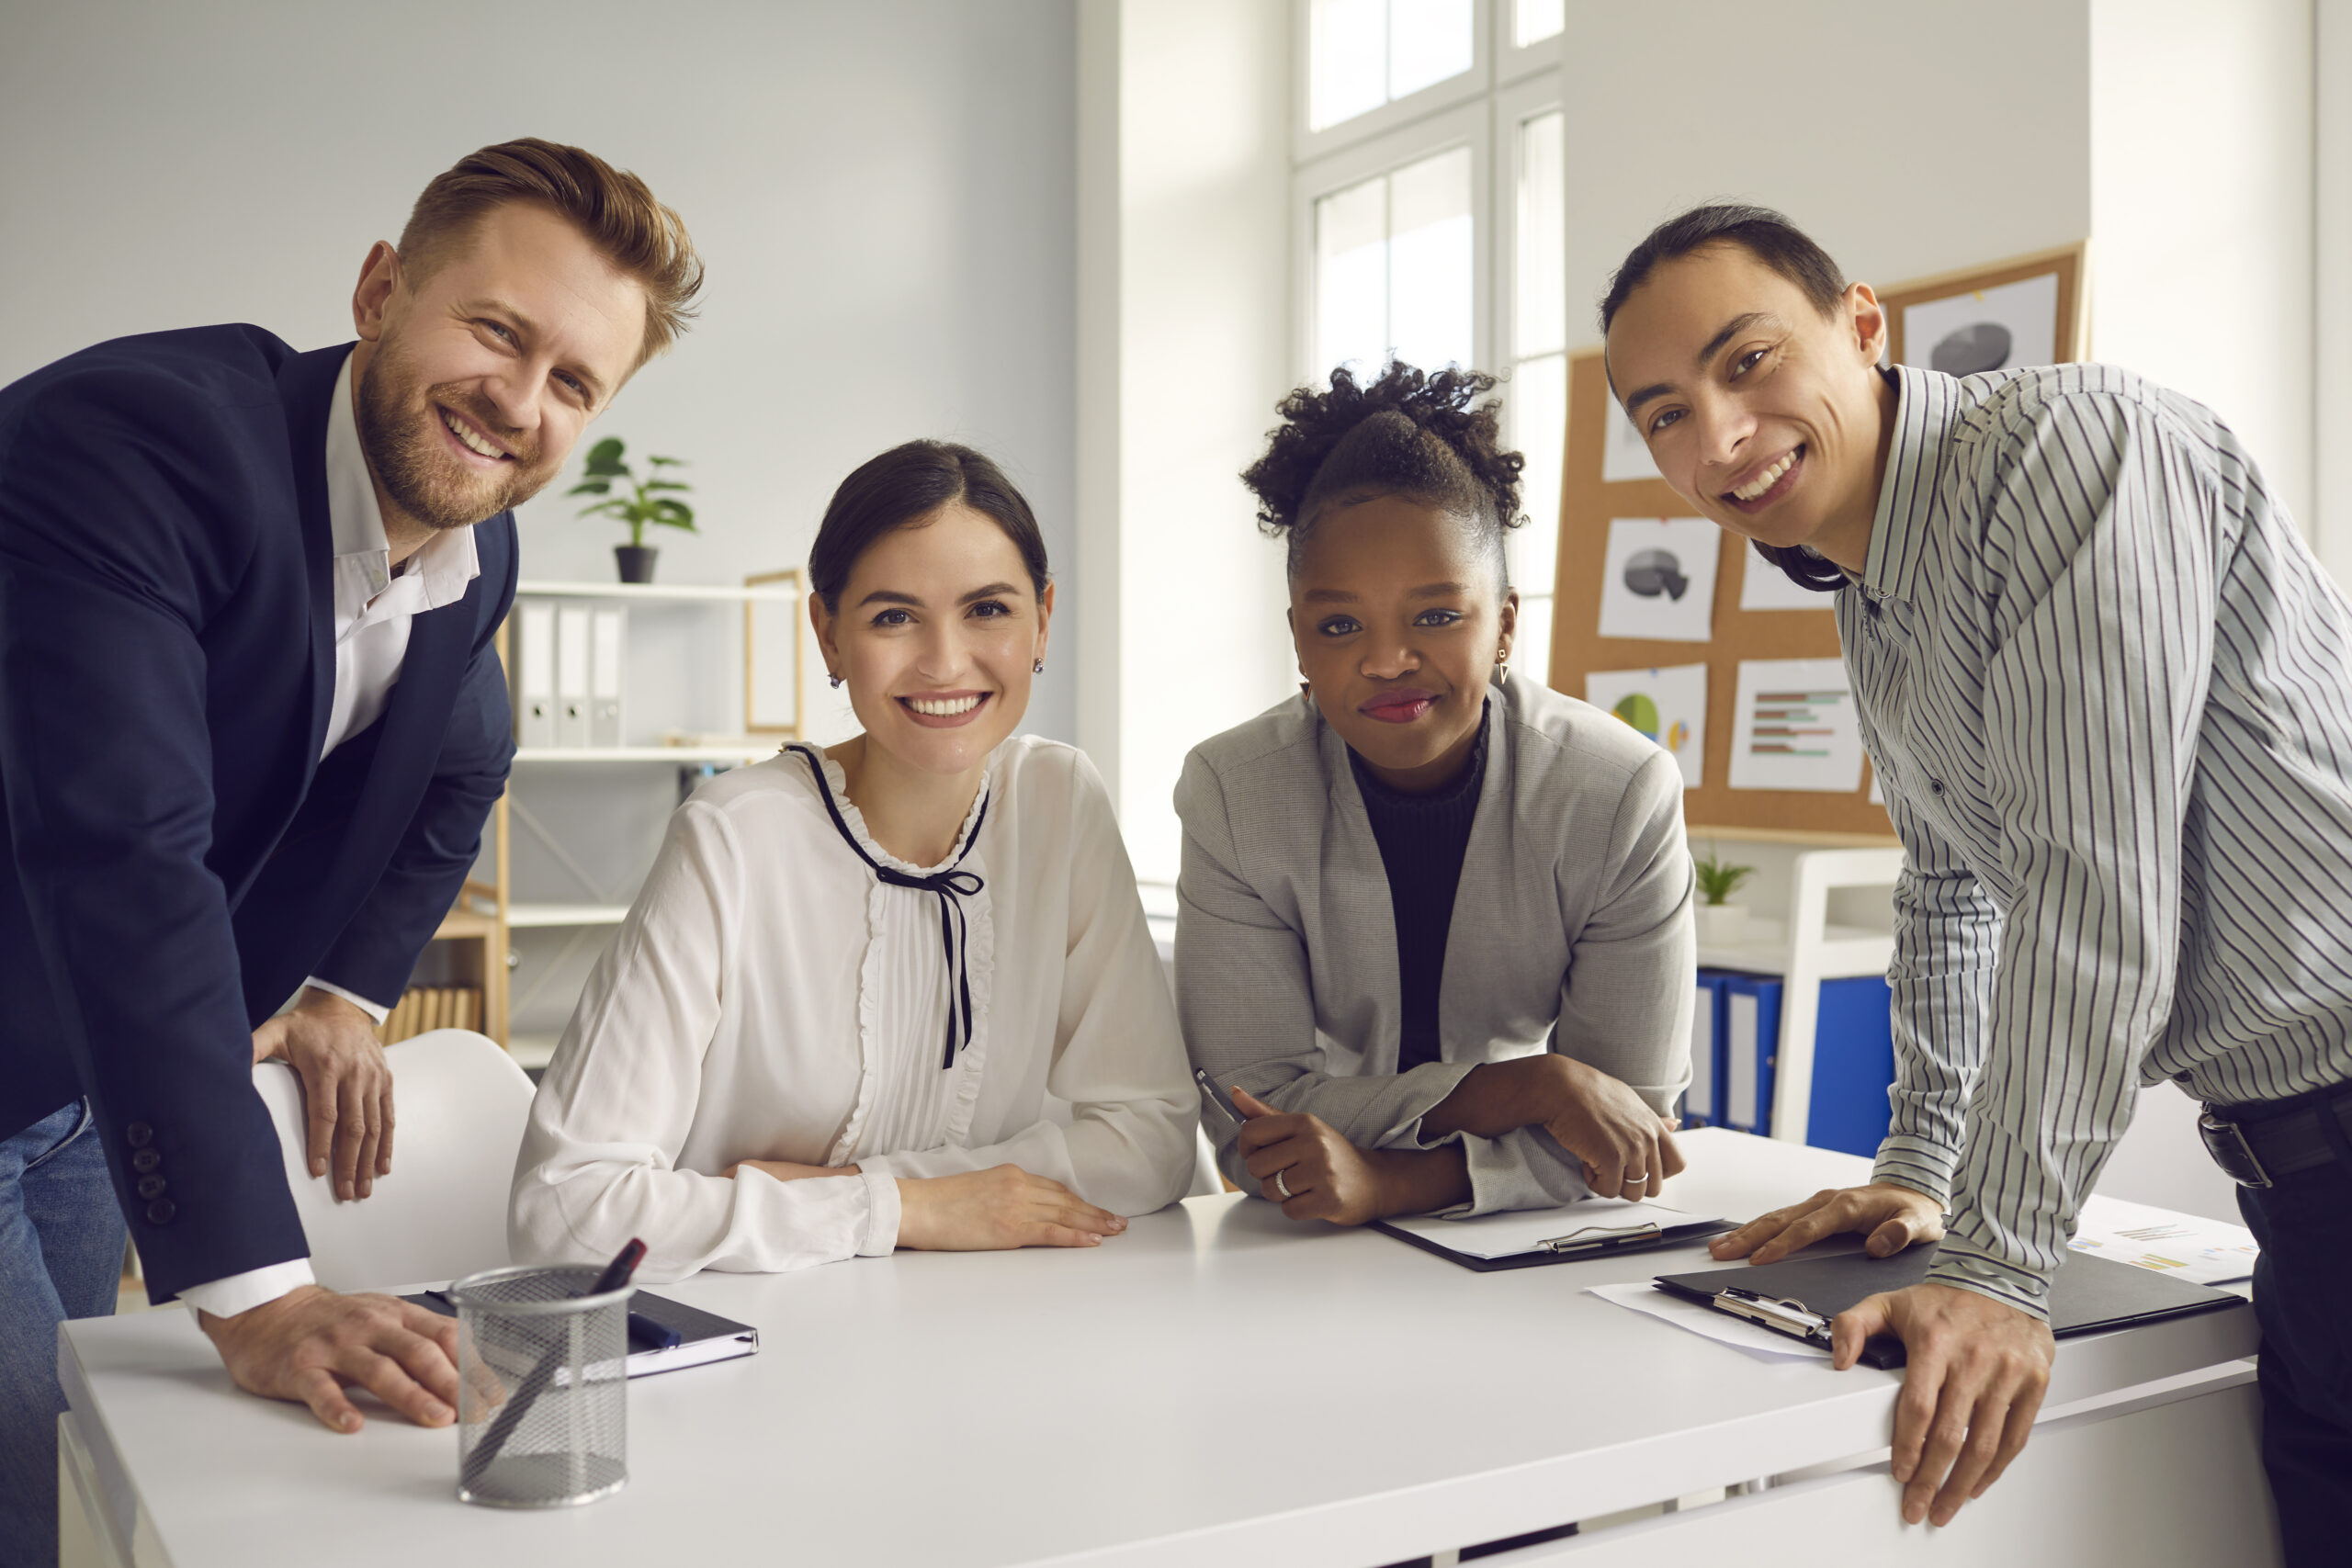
(663, 1335)
(1799, 1295)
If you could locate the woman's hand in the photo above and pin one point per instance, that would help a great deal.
(784, 1170)
(994, 1210)
(1627, 1148)
(1891, 1216)
(1323, 1176)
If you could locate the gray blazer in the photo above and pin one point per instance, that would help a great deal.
(1571, 931)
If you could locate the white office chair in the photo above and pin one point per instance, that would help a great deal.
(461, 1103)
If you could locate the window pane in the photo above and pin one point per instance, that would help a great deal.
(1429, 41)
(1530, 647)
(1351, 277)
(1540, 317)
(1429, 287)
(1533, 20)
(1537, 402)
(1348, 45)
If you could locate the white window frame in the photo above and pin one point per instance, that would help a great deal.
(1514, 107)
(1308, 144)
(1512, 62)
(1467, 126)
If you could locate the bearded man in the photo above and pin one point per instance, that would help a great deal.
(251, 721)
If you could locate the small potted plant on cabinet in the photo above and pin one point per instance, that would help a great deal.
(637, 502)
(1721, 922)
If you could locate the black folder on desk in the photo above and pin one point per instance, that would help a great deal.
(1580, 1239)
(1798, 1296)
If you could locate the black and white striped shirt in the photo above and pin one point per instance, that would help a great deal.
(2109, 693)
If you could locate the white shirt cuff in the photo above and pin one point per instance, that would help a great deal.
(881, 1213)
(256, 1287)
(373, 1010)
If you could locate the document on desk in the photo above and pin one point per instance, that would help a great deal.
(1595, 1228)
(2205, 1252)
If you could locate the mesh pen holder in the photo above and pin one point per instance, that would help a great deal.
(543, 1388)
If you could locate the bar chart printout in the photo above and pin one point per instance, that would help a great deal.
(1794, 728)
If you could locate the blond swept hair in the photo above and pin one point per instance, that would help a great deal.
(613, 209)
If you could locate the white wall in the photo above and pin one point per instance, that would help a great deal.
(1907, 138)
(1184, 311)
(883, 192)
(2201, 203)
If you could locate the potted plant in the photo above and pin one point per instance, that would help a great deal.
(1721, 922)
(651, 500)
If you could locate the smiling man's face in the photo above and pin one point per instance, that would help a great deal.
(1763, 412)
(475, 380)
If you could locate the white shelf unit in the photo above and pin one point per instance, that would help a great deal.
(606, 902)
(1804, 949)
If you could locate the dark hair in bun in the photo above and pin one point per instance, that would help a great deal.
(1417, 434)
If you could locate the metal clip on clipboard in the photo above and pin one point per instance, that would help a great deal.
(1595, 1238)
(1778, 1314)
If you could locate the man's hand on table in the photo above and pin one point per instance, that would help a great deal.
(347, 1086)
(1893, 1217)
(1976, 1372)
(310, 1344)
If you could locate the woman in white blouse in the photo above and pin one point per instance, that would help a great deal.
(830, 1023)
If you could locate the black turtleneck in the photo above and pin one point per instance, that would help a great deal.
(1422, 839)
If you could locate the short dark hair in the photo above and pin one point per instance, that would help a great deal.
(1780, 244)
(1421, 435)
(904, 486)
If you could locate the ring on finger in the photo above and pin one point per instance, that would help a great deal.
(1282, 1187)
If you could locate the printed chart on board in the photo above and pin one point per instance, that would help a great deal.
(1794, 728)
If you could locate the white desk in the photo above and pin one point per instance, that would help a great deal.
(1219, 1384)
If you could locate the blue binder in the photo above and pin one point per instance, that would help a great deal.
(1703, 1103)
(1751, 1046)
(1853, 1065)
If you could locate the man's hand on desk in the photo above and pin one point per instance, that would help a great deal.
(1975, 1374)
(1891, 1216)
(346, 1086)
(310, 1344)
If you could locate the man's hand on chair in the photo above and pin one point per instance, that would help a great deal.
(347, 1086)
(311, 1344)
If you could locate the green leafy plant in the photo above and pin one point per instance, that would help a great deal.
(1718, 882)
(652, 500)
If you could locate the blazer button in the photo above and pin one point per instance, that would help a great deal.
(139, 1135)
(151, 1186)
(146, 1160)
(161, 1211)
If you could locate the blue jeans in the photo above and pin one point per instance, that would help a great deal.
(60, 1257)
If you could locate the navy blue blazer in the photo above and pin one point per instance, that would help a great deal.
(179, 858)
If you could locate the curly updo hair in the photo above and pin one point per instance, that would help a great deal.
(1421, 435)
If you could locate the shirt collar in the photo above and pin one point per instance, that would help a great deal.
(1927, 407)
(447, 562)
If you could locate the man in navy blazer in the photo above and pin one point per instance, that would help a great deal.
(251, 722)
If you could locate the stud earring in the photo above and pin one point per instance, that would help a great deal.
(836, 680)
(1037, 667)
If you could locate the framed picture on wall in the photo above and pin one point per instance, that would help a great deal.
(2027, 310)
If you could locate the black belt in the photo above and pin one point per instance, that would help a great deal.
(2256, 1151)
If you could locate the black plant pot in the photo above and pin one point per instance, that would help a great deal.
(635, 561)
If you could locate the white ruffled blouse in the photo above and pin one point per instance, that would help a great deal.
(746, 1011)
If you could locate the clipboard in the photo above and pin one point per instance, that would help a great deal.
(1574, 1234)
(1799, 1296)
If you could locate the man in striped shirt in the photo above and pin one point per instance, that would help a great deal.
(2107, 691)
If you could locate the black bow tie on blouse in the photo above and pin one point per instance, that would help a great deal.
(951, 887)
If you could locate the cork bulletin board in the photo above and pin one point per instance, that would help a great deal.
(1995, 313)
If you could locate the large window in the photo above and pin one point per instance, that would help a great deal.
(1431, 201)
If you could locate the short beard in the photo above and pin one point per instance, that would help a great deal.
(396, 419)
